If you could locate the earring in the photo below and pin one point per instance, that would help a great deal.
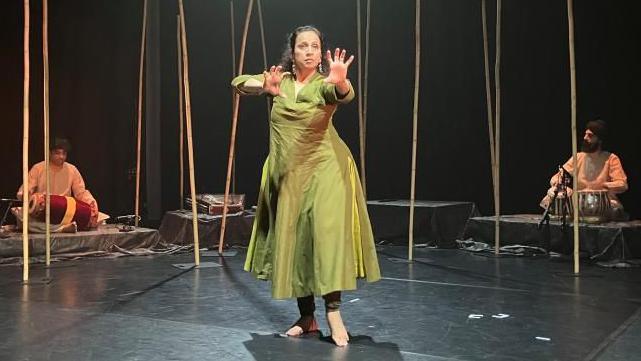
(320, 67)
(294, 69)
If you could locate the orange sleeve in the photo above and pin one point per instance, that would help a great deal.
(618, 181)
(79, 190)
(34, 173)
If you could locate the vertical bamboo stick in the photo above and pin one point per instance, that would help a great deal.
(232, 141)
(362, 90)
(25, 148)
(45, 63)
(365, 91)
(361, 135)
(575, 194)
(233, 39)
(488, 100)
(181, 116)
(233, 74)
(417, 66)
(264, 46)
(497, 138)
(190, 146)
(140, 100)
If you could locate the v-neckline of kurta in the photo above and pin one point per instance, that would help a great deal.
(298, 87)
(304, 85)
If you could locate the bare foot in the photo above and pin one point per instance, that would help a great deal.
(336, 326)
(304, 324)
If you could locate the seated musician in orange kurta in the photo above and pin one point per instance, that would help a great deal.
(65, 180)
(597, 169)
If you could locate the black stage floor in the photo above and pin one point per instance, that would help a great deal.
(142, 308)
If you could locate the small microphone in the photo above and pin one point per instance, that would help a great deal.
(567, 177)
(129, 218)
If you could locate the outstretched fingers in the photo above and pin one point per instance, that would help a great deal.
(328, 56)
(349, 60)
(339, 56)
(272, 81)
(274, 70)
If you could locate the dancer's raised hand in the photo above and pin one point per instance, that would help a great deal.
(337, 66)
(273, 77)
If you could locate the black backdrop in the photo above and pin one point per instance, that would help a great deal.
(94, 49)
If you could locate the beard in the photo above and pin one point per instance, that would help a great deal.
(590, 147)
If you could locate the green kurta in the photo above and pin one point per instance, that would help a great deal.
(311, 234)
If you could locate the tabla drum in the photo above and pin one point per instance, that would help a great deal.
(64, 210)
(594, 206)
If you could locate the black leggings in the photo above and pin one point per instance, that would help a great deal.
(306, 304)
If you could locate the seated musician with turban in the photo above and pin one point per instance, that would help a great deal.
(66, 181)
(598, 170)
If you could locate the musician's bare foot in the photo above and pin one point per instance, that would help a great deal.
(336, 326)
(304, 324)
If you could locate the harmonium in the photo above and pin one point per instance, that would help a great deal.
(212, 204)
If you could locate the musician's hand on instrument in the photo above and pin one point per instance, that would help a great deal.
(551, 191)
(569, 191)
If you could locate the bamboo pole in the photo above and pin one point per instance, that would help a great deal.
(497, 137)
(233, 74)
(181, 116)
(488, 100)
(264, 46)
(140, 91)
(25, 148)
(575, 194)
(232, 141)
(45, 63)
(190, 146)
(362, 90)
(365, 87)
(233, 39)
(361, 135)
(417, 66)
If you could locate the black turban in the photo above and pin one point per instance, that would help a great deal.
(599, 128)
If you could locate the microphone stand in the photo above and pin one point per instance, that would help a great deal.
(565, 178)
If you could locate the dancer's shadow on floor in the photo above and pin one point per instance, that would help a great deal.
(315, 346)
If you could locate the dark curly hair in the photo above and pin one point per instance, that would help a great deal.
(287, 59)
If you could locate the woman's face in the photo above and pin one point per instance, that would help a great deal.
(307, 50)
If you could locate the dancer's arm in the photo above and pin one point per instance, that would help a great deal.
(268, 82)
(248, 84)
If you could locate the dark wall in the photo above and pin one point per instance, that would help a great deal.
(94, 65)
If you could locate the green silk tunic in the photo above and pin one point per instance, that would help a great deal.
(311, 234)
